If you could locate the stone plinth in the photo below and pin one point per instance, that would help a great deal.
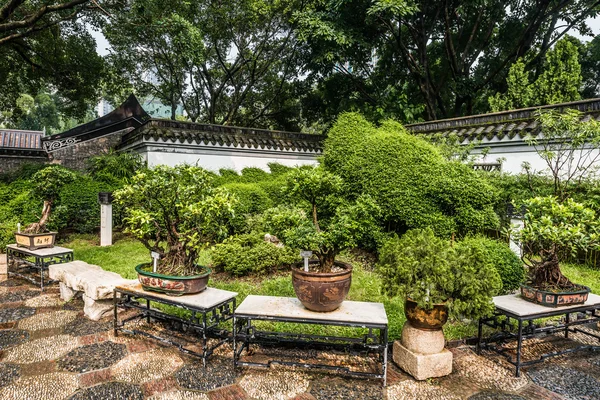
(421, 353)
(3, 264)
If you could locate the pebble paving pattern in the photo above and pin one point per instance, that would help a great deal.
(496, 396)
(92, 357)
(15, 314)
(147, 366)
(218, 373)
(487, 373)
(11, 283)
(413, 390)
(45, 300)
(21, 295)
(12, 337)
(110, 390)
(83, 326)
(274, 385)
(48, 348)
(346, 390)
(8, 373)
(53, 386)
(179, 395)
(570, 383)
(47, 320)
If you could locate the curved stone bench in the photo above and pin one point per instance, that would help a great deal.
(95, 285)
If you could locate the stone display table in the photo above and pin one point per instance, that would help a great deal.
(206, 311)
(352, 314)
(22, 262)
(513, 307)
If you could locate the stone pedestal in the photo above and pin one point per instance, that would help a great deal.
(3, 264)
(421, 353)
(106, 225)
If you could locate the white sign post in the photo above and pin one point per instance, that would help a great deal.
(306, 255)
(155, 257)
(18, 227)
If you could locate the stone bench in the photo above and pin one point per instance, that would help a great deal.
(95, 285)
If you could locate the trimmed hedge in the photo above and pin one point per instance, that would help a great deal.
(252, 199)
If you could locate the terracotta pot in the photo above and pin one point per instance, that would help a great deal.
(555, 299)
(172, 285)
(319, 291)
(34, 241)
(428, 320)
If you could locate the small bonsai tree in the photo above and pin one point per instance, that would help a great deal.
(429, 271)
(553, 229)
(333, 225)
(176, 212)
(47, 185)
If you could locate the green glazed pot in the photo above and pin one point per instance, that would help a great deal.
(172, 285)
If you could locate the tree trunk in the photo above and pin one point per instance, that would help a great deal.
(327, 259)
(40, 226)
(547, 273)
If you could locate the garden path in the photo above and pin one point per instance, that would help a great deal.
(49, 350)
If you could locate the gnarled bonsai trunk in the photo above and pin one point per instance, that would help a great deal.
(547, 273)
(40, 226)
(178, 261)
(326, 260)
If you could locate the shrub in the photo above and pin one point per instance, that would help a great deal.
(251, 200)
(115, 168)
(428, 270)
(250, 254)
(409, 178)
(507, 263)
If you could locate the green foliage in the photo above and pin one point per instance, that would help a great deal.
(115, 168)
(251, 200)
(47, 182)
(428, 270)
(558, 83)
(409, 178)
(250, 254)
(327, 233)
(176, 212)
(505, 261)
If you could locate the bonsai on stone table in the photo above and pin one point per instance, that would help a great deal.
(554, 229)
(175, 212)
(47, 185)
(333, 225)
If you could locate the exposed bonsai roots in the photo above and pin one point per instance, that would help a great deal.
(546, 274)
(40, 226)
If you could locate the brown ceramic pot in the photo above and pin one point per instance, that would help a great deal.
(429, 320)
(172, 285)
(319, 291)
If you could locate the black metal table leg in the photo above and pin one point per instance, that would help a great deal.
(519, 346)
(567, 320)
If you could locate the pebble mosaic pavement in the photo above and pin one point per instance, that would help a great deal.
(49, 350)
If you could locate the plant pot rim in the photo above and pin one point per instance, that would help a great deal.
(298, 268)
(139, 269)
(442, 304)
(33, 234)
(582, 289)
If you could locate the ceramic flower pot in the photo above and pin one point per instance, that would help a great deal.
(319, 291)
(429, 320)
(172, 285)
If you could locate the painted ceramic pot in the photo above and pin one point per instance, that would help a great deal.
(429, 320)
(319, 291)
(172, 285)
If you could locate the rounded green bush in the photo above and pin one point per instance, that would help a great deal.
(252, 199)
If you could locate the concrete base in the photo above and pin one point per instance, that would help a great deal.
(421, 341)
(96, 309)
(3, 264)
(422, 366)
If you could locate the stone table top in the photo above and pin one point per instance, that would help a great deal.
(515, 304)
(207, 299)
(45, 252)
(290, 307)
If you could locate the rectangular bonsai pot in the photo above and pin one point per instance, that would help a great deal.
(555, 299)
(34, 241)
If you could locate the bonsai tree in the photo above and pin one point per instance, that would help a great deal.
(333, 224)
(176, 212)
(429, 271)
(553, 229)
(47, 185)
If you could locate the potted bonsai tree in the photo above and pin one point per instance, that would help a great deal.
(331, 226)
(553, 229)
(437, 278)
(47, 185)
(175, 212)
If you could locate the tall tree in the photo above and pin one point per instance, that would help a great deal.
(448, 55)
(225, 62)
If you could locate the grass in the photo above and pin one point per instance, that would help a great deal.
(126, 253)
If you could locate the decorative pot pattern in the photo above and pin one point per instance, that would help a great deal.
(429, 320)
(172, 285)
(555, 299)
(34, 241)
(322, 292)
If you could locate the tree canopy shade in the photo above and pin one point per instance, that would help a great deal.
(44, 43)
(226, 62)
(446, 55)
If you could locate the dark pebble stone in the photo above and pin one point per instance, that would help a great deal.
(8, 373)
(83, 326)
(218, 373)
(15, 314)
(11, 337)
(73, 305)
(570, 383)
(346, 390)
(20, 295)
(496, 396)
(110, 391)
(92, 357)
(12, 283)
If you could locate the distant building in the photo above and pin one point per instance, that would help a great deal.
(154, 107)
(18, 147)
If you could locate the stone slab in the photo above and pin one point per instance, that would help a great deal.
(96, 309)
(422, 341)
(46, 252)
(290, 307)
(66, 293)
(206, 299)
(3, 264)
(515, 304)
(423, 366)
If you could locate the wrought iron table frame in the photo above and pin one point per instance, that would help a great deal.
(502, 320)
(245, 334)
(205, 321)
(41, 263)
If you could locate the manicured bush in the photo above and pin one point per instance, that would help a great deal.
(507, 263)
(250, 254)
(409, 178)
(115, 168)
(251, 200)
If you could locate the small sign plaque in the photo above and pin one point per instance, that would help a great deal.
(306, 253)
(155, 256)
